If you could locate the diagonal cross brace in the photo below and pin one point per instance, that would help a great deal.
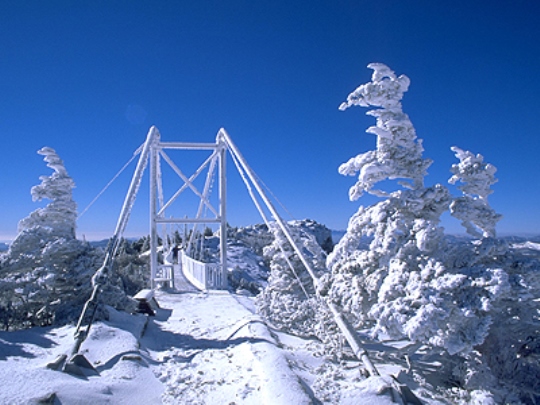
(188, 182)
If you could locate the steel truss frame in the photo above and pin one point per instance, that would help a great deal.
(158, 205)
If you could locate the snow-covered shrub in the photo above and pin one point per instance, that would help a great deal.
(49, 285)
(406, 284)
(131, 269)
(249, 266)
(289, 301)
(512, 347)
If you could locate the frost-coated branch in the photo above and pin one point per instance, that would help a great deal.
(473, 208)
(60, 214)
(476, 176)
(399, 152)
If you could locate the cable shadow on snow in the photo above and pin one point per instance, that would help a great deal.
(158, 339)
(162, 340)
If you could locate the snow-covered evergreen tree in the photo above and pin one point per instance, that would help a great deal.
(45, 277)
(60, 214)
(289, 301)
(399, 152)
(478, 218)
(404, 284)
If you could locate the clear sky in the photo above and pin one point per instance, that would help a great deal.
(88, 78)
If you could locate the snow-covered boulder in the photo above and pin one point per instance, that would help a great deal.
(322, 234)
(255, 236)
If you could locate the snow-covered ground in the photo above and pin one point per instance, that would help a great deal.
(200, 348)
(213, 348)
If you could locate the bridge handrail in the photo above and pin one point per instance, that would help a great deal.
(204, 276)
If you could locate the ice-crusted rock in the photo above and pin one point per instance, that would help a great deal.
(248, 271)
(322, 234)
(255, 236)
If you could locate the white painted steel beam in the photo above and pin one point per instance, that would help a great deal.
(188, 182)
(158, 213)
(187, 146)
(153, 214)
(188, 220)
(223, 210)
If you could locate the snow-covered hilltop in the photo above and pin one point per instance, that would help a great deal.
(444, 319)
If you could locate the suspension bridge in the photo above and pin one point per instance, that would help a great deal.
(180, 267)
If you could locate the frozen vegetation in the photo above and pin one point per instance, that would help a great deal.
(453, 319)
(45, 274)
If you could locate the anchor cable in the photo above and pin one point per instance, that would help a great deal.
(110, 182)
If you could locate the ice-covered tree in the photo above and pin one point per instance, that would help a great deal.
(399, 152)
(476, 215)
(404, 224)
(391, 271)
(511, 348)
(288, 301)
(60, 215)
(45, 275)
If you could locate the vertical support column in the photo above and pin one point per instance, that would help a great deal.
(223, 211)
(153, 213)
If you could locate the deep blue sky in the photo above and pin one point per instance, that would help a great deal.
(89, 78)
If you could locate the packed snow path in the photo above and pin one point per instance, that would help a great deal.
(200, 348)
(208, 348)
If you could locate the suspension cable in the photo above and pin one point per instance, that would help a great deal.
(274, 196)
(267, 222)
(110, 182)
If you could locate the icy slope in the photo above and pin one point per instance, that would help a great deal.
(199, 349)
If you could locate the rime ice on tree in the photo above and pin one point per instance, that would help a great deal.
(473, 209)
(289, 301)
(60, 215)
(392, 271)
(47, 271)
(399, 152)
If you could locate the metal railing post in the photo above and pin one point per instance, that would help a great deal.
(223, 212)
(153, 214)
